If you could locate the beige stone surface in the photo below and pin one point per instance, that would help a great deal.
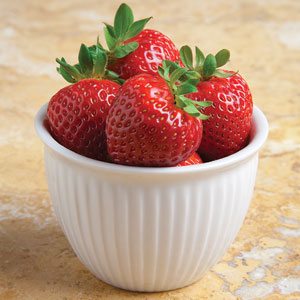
(36, 261)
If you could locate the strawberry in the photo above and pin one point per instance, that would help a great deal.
(194, 159)
(151, 123)
(77, 113)
(154, 47)
(133, 50)
(228, 128)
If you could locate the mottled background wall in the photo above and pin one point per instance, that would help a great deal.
(36, 261)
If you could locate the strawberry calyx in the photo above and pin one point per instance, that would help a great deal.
(182, 81)
(205, 66)
(124, 28)
(92, 63)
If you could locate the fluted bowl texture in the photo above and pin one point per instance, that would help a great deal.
(150, 229)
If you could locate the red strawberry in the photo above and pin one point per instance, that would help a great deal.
(154, 47)
(77, 113)
(77, 116)
(228, 128)
(146, 128)
(194, 159)
(133, 50)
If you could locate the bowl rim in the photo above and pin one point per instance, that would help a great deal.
(259, 133)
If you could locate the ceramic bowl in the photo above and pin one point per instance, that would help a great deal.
(150, 229)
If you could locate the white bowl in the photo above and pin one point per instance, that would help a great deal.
(150, 229)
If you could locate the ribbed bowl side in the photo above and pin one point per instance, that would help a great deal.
(149, 237)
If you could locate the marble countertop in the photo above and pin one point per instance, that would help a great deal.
(36, 261)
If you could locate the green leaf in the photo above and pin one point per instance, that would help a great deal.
(186, 88)
(199, 57)
(123, 19)
(172, 65)
(160, 71)
(98, 43)
(77, 66)
(189, 101)
(186, 56)
(65, 75)
(114, 76)
(204, 103)
(110, 41)
(199, 103)
(166, 69)
(180, 101)
(72, 71)
(164, 63)
(192, 110)
(92, 48)
(193, 74)
(136, 28)
(222, 74)
(209, 65)
(192, 81)
(85, 59)
(124, 50)
(167, 72)
(100, 62)
(222, 57)
(111, 30)
(203, 116)
(176, 75)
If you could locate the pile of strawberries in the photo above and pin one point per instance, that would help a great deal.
(142, 102)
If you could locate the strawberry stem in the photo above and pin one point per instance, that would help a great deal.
(92, 63)
(124, 28)
(205, 66)
(93, 60)
(182, 81)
